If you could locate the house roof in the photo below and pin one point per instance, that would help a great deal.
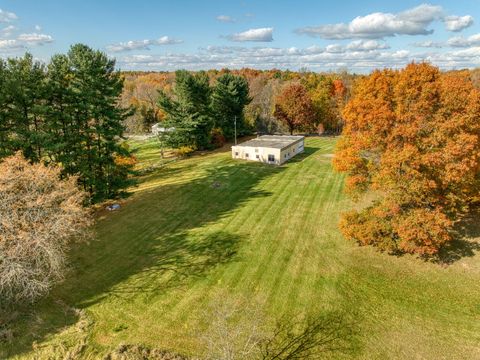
(272, 141)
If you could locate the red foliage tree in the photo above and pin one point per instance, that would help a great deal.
(294, 107)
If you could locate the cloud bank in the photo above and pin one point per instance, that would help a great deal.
(379, 25)
(142, 44)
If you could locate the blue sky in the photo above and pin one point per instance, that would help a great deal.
(318, 35)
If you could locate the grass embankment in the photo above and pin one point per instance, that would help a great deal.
(208, 225)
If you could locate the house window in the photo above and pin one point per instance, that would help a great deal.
(256, 150)
(285, 156)
(236, 153)
(246, 155)
(271, 157)
(257, 156)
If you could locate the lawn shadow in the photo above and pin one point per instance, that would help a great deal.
(308, 151)
(466, 242)
(158, 241)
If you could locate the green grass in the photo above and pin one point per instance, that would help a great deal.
(260, 232)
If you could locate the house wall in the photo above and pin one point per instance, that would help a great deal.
(251, 153)
(289, 152)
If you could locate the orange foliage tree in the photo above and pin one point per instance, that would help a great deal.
(294, 107)
(413, 137)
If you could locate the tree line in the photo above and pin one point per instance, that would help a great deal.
(67, 112)
(324, 94)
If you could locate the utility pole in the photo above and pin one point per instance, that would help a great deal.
(235, 122)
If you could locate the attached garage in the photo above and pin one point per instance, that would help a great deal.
(270, 149)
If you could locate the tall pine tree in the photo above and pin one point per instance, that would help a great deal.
(189, 111)
(229, 98)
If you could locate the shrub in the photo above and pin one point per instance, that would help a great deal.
(184, 151)
(218, 140)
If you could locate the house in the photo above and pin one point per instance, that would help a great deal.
(270, 149)
(157, 129)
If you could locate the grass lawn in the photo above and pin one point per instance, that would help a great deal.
(209, 227)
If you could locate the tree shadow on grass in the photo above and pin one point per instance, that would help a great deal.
(308, 151)
(466, 242)
(161, 239)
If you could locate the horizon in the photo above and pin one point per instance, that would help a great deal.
(268, 35)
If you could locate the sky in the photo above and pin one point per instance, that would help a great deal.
(304, 34)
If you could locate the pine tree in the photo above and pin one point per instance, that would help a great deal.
(229, 98)
(97, 119)
(189, 112)
(23, 94)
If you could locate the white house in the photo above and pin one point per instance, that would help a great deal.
(270, 149)
(157, 129)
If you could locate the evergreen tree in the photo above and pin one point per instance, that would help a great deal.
(189, 111)
(23, 96)
(97, 119)
(229, 98)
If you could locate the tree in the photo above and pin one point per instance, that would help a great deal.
(23, 96)
(97, 87)
(294, 107)
(229, 98)
(39, 216)
(66, 113)
(189, 110)
(413, 137)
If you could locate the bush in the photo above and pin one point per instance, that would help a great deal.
(218, 140)
(184, 151)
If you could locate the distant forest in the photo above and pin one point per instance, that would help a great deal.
(328, 92)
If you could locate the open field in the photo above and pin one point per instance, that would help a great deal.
(209, 227)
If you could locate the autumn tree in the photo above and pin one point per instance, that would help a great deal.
(294, 107)
(413, 138)
(39, 216)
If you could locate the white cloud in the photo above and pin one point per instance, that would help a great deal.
(6, 16)
(313, 57)
(460, 41)
(367, 45)
(260, 35)
(457, 23)
(38, 28)
(473, 52)
(379, 25)
(225, 19)
(10, 45)
(7, 31)
(35, 39)
(141, 44)
(428, 44)
(334, 48)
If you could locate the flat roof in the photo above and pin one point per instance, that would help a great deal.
(272, 141)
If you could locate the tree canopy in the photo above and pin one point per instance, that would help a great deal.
(295, 108)
(66, 112)
(197, 108)
(39, 215)
(413, 138)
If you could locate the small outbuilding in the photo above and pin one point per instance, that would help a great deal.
(269, 149)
